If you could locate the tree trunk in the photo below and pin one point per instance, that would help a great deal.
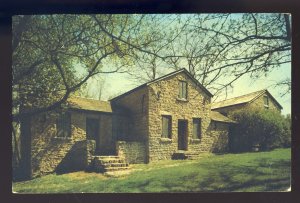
(25, 162)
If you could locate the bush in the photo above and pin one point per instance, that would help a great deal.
(264, 128)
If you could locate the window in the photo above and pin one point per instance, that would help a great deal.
(63, 125)
(196, 128)
(166, 126)
(266, 102)
(182, 90)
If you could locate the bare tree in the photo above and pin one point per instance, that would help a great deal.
(218, 49)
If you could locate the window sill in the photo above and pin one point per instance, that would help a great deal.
(182, 99)
(163, 139)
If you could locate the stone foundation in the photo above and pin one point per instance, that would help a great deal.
(133, 152)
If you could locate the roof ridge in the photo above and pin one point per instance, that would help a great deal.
(263, 90)
(78, 97)
(166, 76)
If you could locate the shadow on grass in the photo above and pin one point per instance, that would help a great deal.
(262, 175)
(259, 175)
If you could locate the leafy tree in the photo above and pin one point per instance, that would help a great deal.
(53, 55)
(266, 128)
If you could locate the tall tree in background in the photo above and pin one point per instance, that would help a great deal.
(219, 46)
(218, 49)
(53, 55)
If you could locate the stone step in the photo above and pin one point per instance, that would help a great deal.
(115, 165)
(111, 169)
(103, 164)
(106, 157)
(112, 161)
(186, 155)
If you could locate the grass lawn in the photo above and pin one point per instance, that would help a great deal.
(257, 171)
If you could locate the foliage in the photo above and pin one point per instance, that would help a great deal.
(266, 128)
(262, 171)
(54, 55)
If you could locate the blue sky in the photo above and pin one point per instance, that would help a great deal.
(119, 82)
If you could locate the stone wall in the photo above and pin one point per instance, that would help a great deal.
(163, 100)
(133, 152)
(136, 103)
(218, 137)
(53, 154)
(259, 103)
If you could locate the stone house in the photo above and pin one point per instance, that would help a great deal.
(260, 99)
(167, 118)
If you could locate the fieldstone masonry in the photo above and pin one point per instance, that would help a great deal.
(133, 152)
(143, 142)
(50, 153)
(197, 105)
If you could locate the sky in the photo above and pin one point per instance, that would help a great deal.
(118, 83)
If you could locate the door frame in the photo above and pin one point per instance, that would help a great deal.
(182, 137)
(97, 137)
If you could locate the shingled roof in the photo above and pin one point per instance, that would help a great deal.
(247, 98)
(89, 104)
(216, 116)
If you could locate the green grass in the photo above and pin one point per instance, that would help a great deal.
(247, 172)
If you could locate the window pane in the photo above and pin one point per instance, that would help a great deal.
(64, 125)
(184, 90)
(196, 128)
(180, 90)
(266, 101)
(166, 126)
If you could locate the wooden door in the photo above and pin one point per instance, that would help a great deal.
(182, 134)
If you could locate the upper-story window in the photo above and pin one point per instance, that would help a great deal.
(266, 102)
(63, 125)
(182, 90)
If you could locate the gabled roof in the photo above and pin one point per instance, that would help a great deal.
(89, 104)
(183, 70)
(247, 98)
(216, 116)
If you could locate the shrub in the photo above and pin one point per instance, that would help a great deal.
(264, 128)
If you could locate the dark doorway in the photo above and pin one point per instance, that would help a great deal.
(182, 134)
(92, 131)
